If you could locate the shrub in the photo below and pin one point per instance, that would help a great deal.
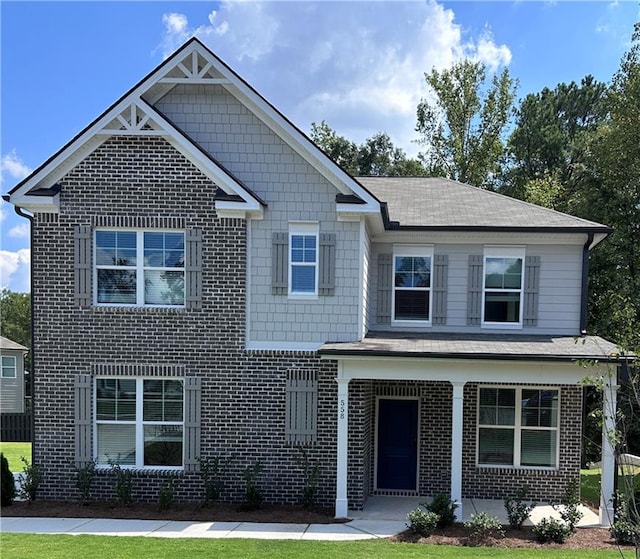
(422, 522)
(210, 471)
(517, 509)
(551, 530)
(123, 484)
(30, 480)
(7, 483)
(84, 480)
(253, 496)
(625, 532)
(568, 509)
(482, 527)
(311, 473)
(445, 508)
(166, 493)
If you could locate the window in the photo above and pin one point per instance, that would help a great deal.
(518, 427)
(303, 259)
(140, 268)
(8, 366)
(503, 275)
(139, 422)
(412, 284)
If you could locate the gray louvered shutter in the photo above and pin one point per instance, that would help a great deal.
(474, 289)
(280, 263)
(193, 268)
(531, 288)
(82, 265)
(82, 403)
(192, 422)
(301, 407)
(384, 288)
(440, 281)
(327, 264)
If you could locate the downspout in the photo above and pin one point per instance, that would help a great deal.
(585, 283)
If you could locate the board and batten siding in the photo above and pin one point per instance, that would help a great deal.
(559, 289)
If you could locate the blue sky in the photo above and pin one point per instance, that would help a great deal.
(358, 65)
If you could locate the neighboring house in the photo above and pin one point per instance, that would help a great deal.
(208, 283)
(12, 376)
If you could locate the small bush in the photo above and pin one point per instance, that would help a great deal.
(445, 508)
(517, 509)
(84, 480)
(422, 522)
(30, 480)
(253, 496)
(123, 484)
(7, 483)
(211, 471)
(482, 527)
(167, 493)
(568, 508)
(311, 473)
(625, 532)
(551, 530)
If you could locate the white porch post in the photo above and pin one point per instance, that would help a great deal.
(342, 505)
(609, 405)
(456, 446)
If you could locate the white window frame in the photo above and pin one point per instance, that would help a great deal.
(425, 251)
(9, 368)
(517, 428)
(138, 422)
(503, 252)
(307, 229)
(139, 268)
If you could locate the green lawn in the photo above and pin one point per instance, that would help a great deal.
(590, 485)
(18, 546)
(13, 453)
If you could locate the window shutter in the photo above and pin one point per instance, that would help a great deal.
(82, 400)
(280, 263)
(474, 295)
(192, 422)
(531, 288)
(83, 265)
(440, 281)
(193, 268)
(301, 407)
(384, 288)
(327, 264)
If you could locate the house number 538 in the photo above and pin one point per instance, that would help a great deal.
(341, 409)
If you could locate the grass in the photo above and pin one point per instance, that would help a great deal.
(13, 452)
(18, 546)
(590, 485)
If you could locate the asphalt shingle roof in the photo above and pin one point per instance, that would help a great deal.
(438, 202)
(6, 343)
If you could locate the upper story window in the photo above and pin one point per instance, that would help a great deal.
(139, 421)
(412, 283)
(9, 366)
(139, 268)
(502, 286)
(303, 259)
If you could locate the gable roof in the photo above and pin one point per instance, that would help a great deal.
(6, 343)
(447, 205)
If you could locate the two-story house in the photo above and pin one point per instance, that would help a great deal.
(208, 283)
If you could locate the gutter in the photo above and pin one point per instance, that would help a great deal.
(585, 283)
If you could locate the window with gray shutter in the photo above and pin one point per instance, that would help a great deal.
(327, 264)
(440, 281)
(192, 422)
(531, 289)
(82, 403)
(193, 268)
(301, 407)
(474, 289)
(383, 315)
(83, 263)
(280, 263)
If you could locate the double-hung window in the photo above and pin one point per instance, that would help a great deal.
(518, 427)
(9, 367)
(412, 283)
(502, 284)
(139, 421)
(140, 268)
(303, 260)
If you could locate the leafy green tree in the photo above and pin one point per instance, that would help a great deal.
(15, 319)
(344, 152)
(463, 128)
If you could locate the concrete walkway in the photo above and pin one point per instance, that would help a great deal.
(381, 518)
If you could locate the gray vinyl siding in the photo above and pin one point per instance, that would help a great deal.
(559, 289)
(293, 191)
(12, 389)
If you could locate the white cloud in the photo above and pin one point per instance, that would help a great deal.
(15, 269)
(20, 231)
(12, 164)
(358, 65)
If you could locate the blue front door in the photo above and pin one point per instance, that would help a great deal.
(397, 444)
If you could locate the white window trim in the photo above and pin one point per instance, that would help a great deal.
(517, 427)
(503, 252)
(303, 228)
(140, 268)
(139, 424)
(411, 250)
(13, 367)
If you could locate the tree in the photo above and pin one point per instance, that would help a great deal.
(462, 130)
(342, 151)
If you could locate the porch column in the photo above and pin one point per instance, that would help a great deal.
(342, 505)
(609, 405)
(456, 446)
